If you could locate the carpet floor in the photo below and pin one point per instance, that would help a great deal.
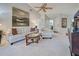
(57, 46)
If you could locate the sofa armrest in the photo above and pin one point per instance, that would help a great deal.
(47, 34)
(14, 38)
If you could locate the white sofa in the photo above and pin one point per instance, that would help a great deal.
(15, 38)
(19, 37)
(47, 34)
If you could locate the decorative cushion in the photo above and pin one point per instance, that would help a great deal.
(15, 38)
(14, 31)
(47, 34)
(32, 29)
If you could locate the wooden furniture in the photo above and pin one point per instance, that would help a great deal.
(34, 37)
(74, 37)
(0, 36)
(75, 43)
(76, 22)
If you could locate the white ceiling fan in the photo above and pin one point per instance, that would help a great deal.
(44, 7)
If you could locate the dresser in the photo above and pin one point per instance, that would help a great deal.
(75, 43)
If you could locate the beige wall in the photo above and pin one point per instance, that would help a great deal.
(6, 16)
(35, 18)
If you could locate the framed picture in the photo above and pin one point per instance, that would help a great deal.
(19, 18)
(64, 22)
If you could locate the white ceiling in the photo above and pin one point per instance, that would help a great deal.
(58, 8)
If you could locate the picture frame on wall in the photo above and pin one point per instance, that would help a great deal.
(20, 17)
(64, 22)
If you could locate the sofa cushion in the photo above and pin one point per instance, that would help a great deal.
(14, 38)
(47, 34)
(14, 31)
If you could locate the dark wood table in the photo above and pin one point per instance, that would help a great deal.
(32, 37)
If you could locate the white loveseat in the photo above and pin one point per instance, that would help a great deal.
(17, 38)
(47, 33)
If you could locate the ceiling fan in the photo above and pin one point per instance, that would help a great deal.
(44, 7)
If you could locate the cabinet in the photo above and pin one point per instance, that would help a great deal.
(0, 36)
(75, 43)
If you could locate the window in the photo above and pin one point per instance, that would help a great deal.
(51, 22)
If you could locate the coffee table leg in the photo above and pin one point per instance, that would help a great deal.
(26, 41)
(32, 40)
(38, 38)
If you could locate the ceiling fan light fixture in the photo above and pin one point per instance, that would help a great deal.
(44, 7)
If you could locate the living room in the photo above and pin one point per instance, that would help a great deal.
(55, 36)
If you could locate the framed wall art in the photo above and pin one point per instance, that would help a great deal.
(64, 22)
(19, 17)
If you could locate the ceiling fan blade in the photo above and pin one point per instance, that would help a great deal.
(48, 8)
(44, 10)
(44, 5)
(39, 9)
